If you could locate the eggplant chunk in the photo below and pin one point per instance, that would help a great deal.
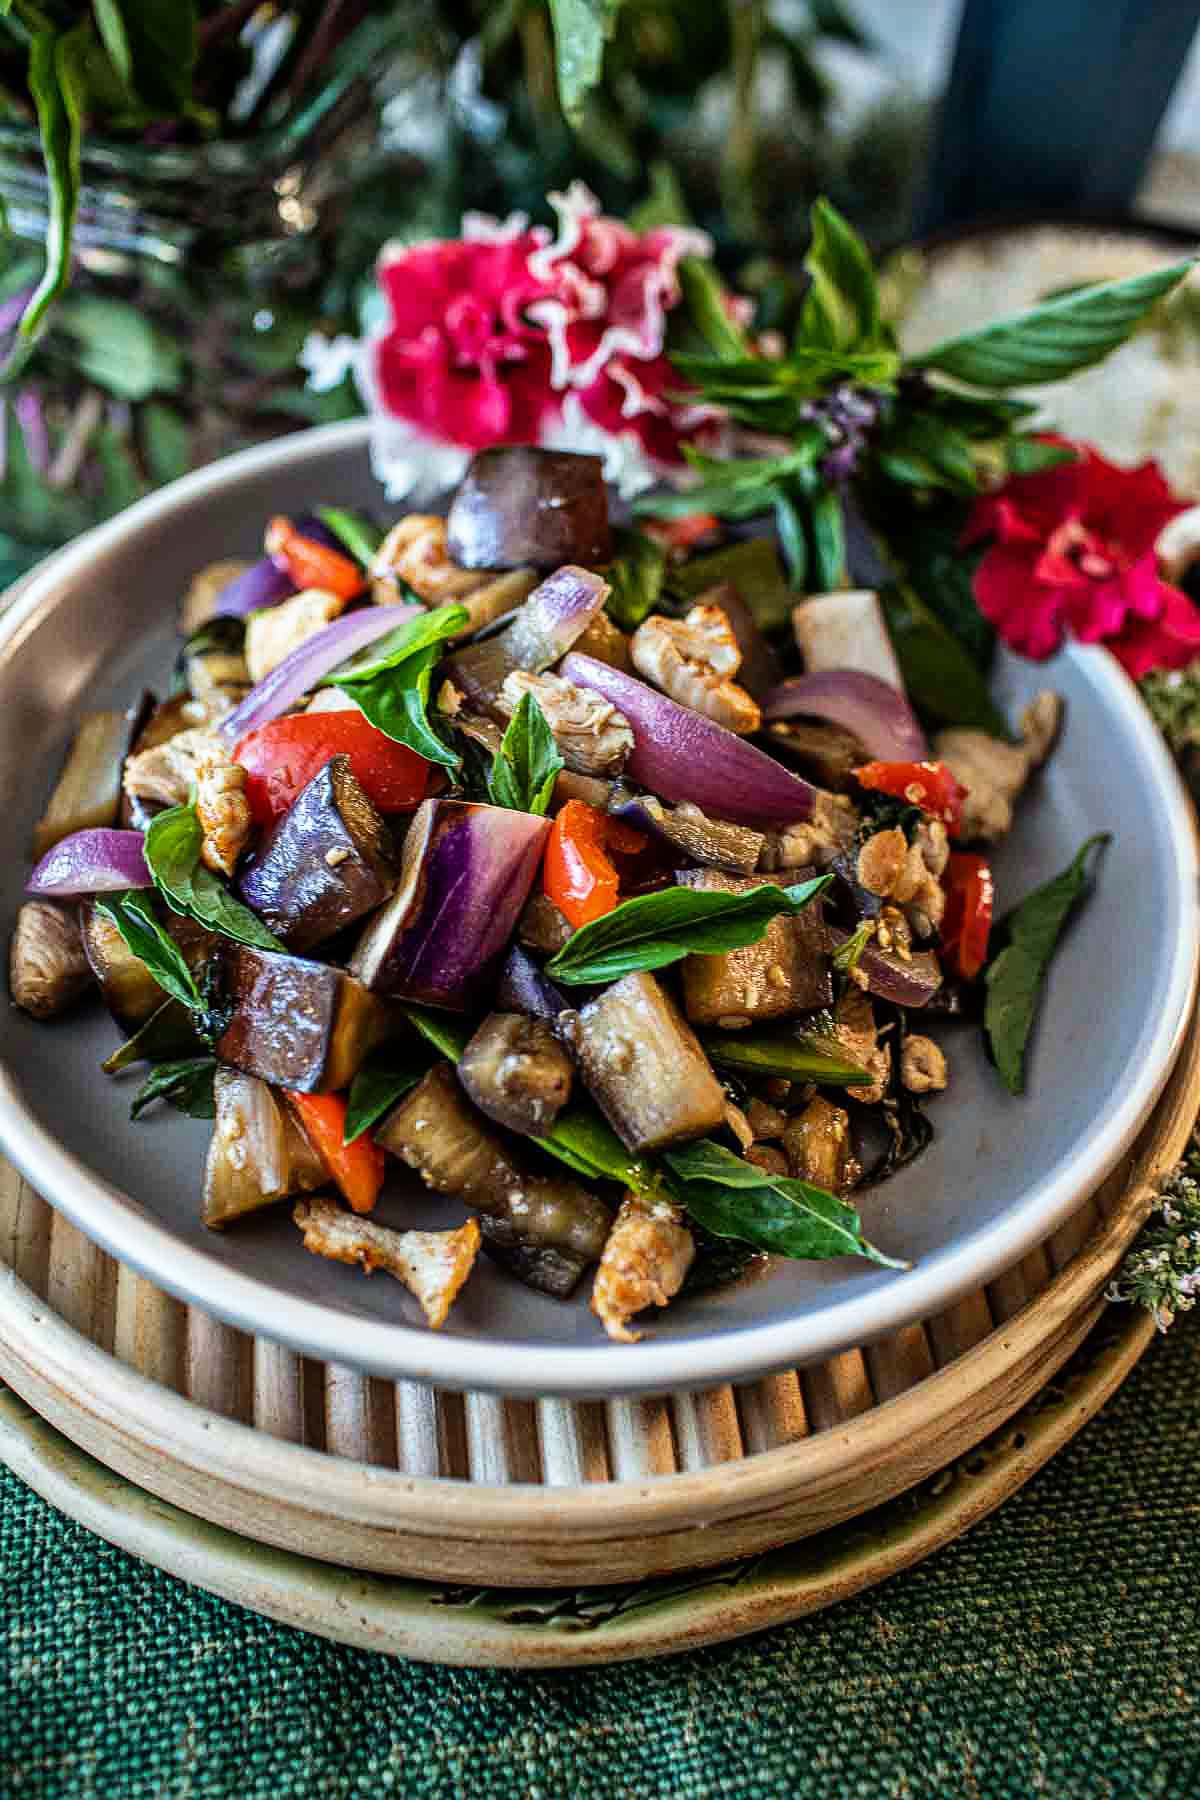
(300, 1025)
(538, 1266)
(257, 1153)
(127, 987)
(88, 792)
(518, 506)
(787, 971)
(432, 1265)
(643, 1064)
(645, 1261)
(826, 754)
(47, 967)
(435, 1130)
(517, 1072)
(328, 861)
(817, 1146)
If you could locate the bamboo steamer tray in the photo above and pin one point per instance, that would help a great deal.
(398, 1480)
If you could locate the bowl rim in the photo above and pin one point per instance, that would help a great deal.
(127, 1229)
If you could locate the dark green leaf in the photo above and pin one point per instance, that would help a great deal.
(1029, 455)
(942, 573)
(829, 541)
(921, 450)
(793, 540)
(166, 1034)
(939, 676)
(166, 441)
(392, 687)
(385, 1077)
(581, 29)
(704, 299)
(172, 849)
(655, 930)
(841, 311)
(447, 1034)
(1054, 339)
(133, 915)
(1026, 941)
(110, 23)
(119, 349)
(580, 1138)
(733, 1198)
(796, 1055)
(664, 203)
(58, 85)
(527, 764)
(636, 579)
(754, 569)
(358, 535)
(187, 1085)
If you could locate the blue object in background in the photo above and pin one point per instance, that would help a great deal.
(1053, 106)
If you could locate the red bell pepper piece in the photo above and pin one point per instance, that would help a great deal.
(312, 565)
(929, 785)
(967, 921)
(282, 757)
(678, 536)
(357, 1168)
(578, 874)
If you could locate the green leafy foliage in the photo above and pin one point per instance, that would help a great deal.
(1023, 945)
(359, 536)
(581, 29)
(385, 1077)
(172, 848)
(841, 309)
(733, 1199)
(133, 915)
(754, 569)
(654, 930)
(58, 85)
(527, 764)
(796, 1054)
(187, 1085)
(942, 681)
(392, 687)
(1055, 339)
(448, 1035)
(580, 1138)
(119, 349)
(636, 579)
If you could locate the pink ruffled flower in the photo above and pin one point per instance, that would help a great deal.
(1073, 550)
(514, 335)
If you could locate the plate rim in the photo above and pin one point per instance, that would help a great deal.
(399, 1351)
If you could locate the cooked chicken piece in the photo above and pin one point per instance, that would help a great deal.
(47, 967)
(222, 808)
(816, 842)
(604, 640)
(855, 1030)
(694, 659)
(993, 772)
(818, 1149)
(593, 738)
(648, 1254)
(276, 631)
(432, 1265)
(922, 1065)
(414, 559)
(891, 867)
(199, 603)
(167, 772)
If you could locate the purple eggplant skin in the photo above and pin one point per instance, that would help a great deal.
(304, 1026)
(327, 862)
(523, 988)
(466, 873)
(518, 507)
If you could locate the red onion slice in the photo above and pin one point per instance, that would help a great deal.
(262, 584)
(310, 663)
(911, 983)
(680, 755)
(878, 715)
(99, 860)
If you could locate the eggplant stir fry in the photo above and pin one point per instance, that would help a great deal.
(592, 876)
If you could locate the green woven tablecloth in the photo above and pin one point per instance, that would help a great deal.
(1052, 1650)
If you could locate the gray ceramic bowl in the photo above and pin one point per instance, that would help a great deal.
(1002, 1173)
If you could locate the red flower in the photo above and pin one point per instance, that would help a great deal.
(1072, 550)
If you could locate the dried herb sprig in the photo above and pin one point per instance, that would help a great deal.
(1162, 1271)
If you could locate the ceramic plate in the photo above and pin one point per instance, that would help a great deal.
(98, 622)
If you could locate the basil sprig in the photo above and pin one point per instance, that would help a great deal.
(734, 1199)
(385, 1077)
(392, 687)
(527, 764)
(1028, 938)
(358, 535)
(133, 915)
(188, 1085)
(655, 930)
(635, 579)
(172, 850)
(1055, 339)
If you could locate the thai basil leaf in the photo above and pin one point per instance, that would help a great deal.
(172, 850)
(358, 535)
(636, 579)
(942, 574)
(920, 450)
(754, 569)
(187, 1085)
(796, 1055)
(655, 930)
(793, 541)
(1029, 455)
(704, 301)
(447, 1034)
(133, 915)
(939, 675)
(385, 1077)
(158, 52)
(841, 309)
(392, 688)
(580, 1138)
(527, 764)
(581, 28)
(167, 1033)
(829, 541)
(734, 1199)
(1028, 939)
(58, 85)
(119, 348)
(1053, 340)
(664, 203)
